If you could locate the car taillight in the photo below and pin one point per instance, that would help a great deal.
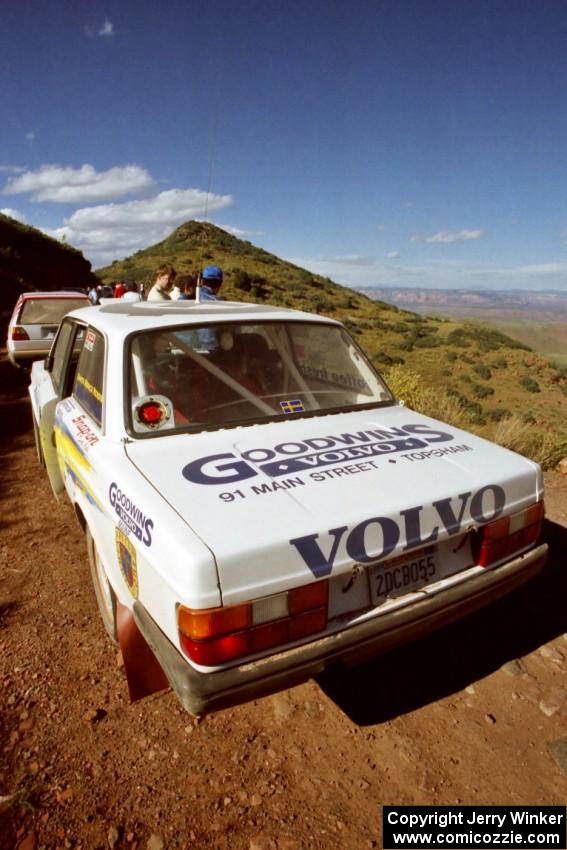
(502, 538)
(18, 334)
(216, 635)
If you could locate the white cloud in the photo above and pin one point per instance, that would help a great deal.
(77, 185)
(442, 274)
(559, 268)
(30, 137)
(14, 214)
(239, 232)
(104, 31)
(171, 206)
(448, 237)
(393, 255)
(12, 169)
(350, 260)
(112, 231)
(107, 29)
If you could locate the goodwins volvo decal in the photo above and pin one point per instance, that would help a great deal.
(132, 517)
(375, 538)
(313, 452)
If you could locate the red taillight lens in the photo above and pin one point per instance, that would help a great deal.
(217, 635)
(308, 623)
(19, 334)
(308, 597)
(508, 535)
(216, 651)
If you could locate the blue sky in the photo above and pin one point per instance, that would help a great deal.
(395, 142)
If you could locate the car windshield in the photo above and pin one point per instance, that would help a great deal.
(213, 375)
(48, 311)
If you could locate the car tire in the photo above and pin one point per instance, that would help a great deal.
(105, 596)
(38, 449)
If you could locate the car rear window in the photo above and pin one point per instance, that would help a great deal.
(213, 375)
(48, 311)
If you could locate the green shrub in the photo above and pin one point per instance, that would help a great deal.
(482, 391)
(382, 359)
(322, 305)
(529, 384)
(418, 395)
(497, 414)
(242, 280)
(458, 338)
(482, 371)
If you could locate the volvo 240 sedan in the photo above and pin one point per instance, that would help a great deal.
(257, 505)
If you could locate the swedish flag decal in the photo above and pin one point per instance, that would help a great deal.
(292, 406)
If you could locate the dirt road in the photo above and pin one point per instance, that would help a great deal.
(471, 715)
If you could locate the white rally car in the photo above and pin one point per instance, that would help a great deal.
(256, 503)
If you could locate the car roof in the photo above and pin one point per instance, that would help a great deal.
(55, 294)
(128, 316)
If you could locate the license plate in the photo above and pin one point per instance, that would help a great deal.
(406, 573)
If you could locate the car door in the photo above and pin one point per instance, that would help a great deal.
(54, 383)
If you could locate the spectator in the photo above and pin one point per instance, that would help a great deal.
(93, 294)
(119, 289)
(187, 285)
(163, 284)
(131, 293)
(211, 282)
(106, 295)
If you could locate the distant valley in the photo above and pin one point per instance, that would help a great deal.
(538, 319)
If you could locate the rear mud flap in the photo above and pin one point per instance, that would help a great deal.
(143, 672)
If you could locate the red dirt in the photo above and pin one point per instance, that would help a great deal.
(465, 716)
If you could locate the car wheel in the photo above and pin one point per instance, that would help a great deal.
(38, 449)
(105, 596)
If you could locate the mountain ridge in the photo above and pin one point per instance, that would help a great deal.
(473, 373)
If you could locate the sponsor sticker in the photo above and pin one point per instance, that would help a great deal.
(90, 340)
(132, 517)
(127, 560)
(84, 434)
(313, 453)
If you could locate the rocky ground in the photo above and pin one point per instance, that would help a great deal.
(475, 714)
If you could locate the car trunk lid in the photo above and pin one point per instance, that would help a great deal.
(283, 504)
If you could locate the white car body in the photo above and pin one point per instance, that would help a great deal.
(34, 322)
(337, 534)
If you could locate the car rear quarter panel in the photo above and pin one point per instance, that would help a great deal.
(160, 561)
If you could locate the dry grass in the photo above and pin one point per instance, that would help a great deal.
(516, 434)
(410, 388)
(512, 432)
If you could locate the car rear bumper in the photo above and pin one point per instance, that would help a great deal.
(201, 692)
(17, 356)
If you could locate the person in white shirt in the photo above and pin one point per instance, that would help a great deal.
(163, 284)
(131, 293)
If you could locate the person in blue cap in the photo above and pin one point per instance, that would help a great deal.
(211, 282)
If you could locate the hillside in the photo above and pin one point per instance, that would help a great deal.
(472, 373)
(538, 319)
(30, 260)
